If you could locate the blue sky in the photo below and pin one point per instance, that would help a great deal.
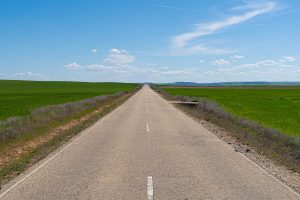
(156, 41)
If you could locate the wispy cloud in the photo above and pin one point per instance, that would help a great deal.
(94, 50)
(117, 61)
(111, 69)
(264, 63)
(181, 42)
(220, 62)
(176, 72)
(174, 8)
(237, 57)
(119, 57)
(72, 66)
(28, 75)
(184, 9)
(265, 68)
(97, 67)
(287, 59)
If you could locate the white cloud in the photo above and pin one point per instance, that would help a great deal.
(72, 66)
(119, 57)
(97, 67)
(94, 50)
(200, 48)
(29, 74)
(220, 62)
(268, 70)
(175, 72)
(117, 61)
(237, 57)
(249, 5)
(201, 61)
(165, 67)
(150, 64)
(180, 42)
(112, 68)
(264, 63)
(287, 59)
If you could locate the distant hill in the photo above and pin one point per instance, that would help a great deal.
(254, 83)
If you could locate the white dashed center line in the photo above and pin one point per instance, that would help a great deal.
(147, 127)
(149, 188)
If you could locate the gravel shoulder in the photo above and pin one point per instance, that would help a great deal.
(280, 172)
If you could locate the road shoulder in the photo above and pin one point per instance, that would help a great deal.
(288, 177)
(26, 155)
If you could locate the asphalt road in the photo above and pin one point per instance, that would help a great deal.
(146, 149)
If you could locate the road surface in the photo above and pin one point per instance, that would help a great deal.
(146, 149)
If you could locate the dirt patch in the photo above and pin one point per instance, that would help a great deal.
(18, 156)
(10, 155)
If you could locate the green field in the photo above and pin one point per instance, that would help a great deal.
(18, 98)
(274, 107)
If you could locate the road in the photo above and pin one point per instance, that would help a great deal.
(146, 149)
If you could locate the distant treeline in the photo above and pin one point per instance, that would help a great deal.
(254, 83)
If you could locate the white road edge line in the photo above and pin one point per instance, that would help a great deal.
(46, 161)
(147, 127)
(267, 173)
(149, 188)
(259, 167)
(254, 163)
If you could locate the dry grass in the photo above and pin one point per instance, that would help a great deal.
(27, 142)
(271, 143)
(40, 117)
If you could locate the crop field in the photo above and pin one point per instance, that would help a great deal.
(18, 98)
(274, 107)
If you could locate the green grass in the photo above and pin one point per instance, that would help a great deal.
(274, 107)
(19, 98)
(28, 159)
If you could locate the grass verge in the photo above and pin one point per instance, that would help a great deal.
(19, 98)
(280, 147)
(276, 107)
(64, 130)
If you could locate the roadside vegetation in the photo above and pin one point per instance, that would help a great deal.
(19, 98)
(26, 139)
(253, 115)
(273, 107)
